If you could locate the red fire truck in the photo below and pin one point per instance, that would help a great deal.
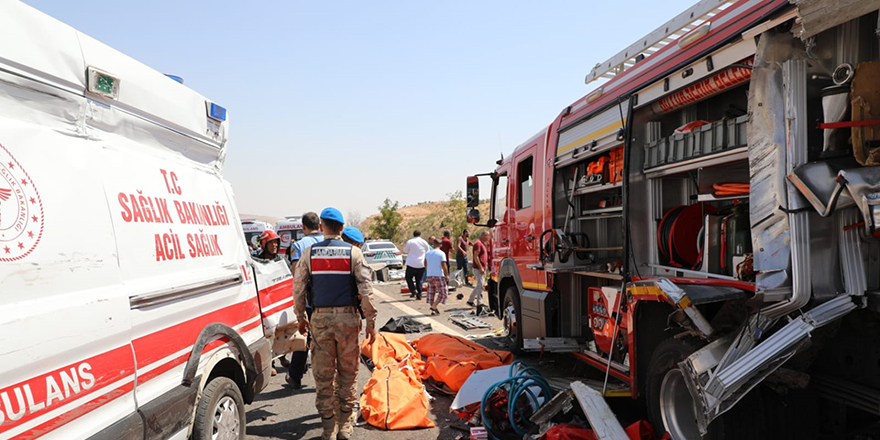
(704, 222)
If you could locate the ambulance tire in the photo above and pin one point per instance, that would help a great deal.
(220, 410)
(744, 421)
(514, 329)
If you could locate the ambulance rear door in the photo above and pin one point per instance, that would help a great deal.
(66, 364)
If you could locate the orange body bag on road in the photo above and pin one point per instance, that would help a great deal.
(452, 359)
(394, 397)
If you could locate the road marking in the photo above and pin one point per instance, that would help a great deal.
(415, 313)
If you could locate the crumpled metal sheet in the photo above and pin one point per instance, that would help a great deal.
(767, 158)
(815, 16)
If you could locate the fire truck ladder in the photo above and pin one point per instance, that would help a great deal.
(697, 18)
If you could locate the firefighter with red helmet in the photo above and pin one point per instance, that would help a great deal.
(270, 242)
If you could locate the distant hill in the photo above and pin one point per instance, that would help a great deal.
(432, 218)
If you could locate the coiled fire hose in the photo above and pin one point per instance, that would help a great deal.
(520, 397)
(730, 189)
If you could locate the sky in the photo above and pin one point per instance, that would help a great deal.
(347, 103)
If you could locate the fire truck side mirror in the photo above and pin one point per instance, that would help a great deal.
(473, 193)
(473, 216)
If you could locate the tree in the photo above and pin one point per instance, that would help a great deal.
(388, 224)
(354, 218)
(457, 217)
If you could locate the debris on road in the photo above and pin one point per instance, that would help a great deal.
(468, 322)
(599, 414)
(405, 324)
(494, 334)
(396, 274)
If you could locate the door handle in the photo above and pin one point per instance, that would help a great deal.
(530, 237)
(505, 241)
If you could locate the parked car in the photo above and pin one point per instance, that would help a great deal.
(383, 252)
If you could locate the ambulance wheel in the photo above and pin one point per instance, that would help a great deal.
(511, 316)
(671, 407)
(220, 413)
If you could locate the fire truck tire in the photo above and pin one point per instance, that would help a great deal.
(745, 420)
(511, 316)
(220, 412)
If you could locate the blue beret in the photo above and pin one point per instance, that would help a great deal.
(353, 234)
(332, 214)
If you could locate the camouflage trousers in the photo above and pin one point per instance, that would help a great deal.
(335, 358)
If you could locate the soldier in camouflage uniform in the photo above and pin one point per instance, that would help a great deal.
(336, 278)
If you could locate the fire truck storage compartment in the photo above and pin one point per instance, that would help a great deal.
(723, 118)
(594, 217)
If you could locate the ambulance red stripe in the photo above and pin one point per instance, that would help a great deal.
(180, 360)
(45, 392)
(276, 293)
(284, 305)
(75, 413)
(116, 364)
(158, 345)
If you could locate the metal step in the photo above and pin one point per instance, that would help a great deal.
(552, 345)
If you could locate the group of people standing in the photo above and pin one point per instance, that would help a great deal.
(427, 262)
(332, 292)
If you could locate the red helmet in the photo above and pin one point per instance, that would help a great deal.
(268, 235)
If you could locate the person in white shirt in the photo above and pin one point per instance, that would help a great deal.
(415, 250)
(438, 276)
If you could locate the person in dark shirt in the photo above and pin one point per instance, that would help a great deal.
(446, 244)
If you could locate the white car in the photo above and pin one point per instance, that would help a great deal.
(383, 252)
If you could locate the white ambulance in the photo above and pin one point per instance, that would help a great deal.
(129, 306)
(252, 228)
(290, 230)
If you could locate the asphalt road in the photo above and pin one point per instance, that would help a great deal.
(283, 413)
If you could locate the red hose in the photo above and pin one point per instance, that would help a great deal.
(731, 189)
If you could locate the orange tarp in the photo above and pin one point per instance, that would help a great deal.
(394, 397)
(456, 347)
(391, 348)
(452, 359)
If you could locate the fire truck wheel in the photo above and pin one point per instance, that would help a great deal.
(670, 405)
(220, 413)
(511, 315)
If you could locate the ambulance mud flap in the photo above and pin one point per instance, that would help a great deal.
(170, 412)
(210, 332)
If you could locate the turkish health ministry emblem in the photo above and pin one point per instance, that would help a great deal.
(21, 211)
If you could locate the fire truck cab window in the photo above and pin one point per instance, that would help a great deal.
(524, 184)
(500, 197)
